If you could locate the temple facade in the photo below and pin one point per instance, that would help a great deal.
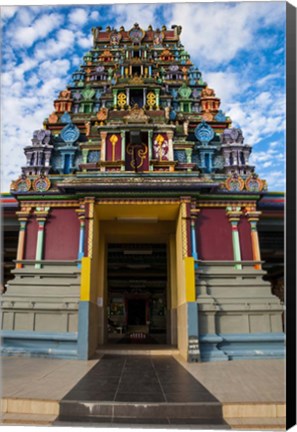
(138, 212)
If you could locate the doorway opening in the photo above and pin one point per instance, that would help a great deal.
(136, 95)
(137, 293)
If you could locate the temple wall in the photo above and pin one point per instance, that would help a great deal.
(31, 239)
(244, 229)
(214, 237)
(239, 318)
(61, 235)
(39, 311)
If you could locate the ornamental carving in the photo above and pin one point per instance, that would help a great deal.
(204, 133)
(136, 34)
(234, 183)
(207, 92)
(22, 184)
(70, 133)
(254, 184)
(41, 184)
(232, 136)
(160, 148)
(41, 137)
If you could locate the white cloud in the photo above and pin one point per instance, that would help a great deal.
(8, 12)
(95, 15)
(55, 47)
(144, 14)
(215, 35)
(42, 27)
(78, 16)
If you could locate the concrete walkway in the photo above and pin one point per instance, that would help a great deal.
(257, 386)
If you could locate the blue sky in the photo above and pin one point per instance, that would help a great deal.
(239, 48)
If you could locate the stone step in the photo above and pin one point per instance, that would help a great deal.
(199, 411)
(257, 423)
(145, 350)
(200, 424)
(28, 419)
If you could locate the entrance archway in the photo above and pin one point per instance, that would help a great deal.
(138, 291)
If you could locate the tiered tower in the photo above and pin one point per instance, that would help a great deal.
(138, 105)
(138, 200)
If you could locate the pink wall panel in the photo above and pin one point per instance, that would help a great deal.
(214, 237)
(245, 239)
(31, 239)
(61, 235)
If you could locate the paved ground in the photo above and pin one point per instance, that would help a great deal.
(234, 381)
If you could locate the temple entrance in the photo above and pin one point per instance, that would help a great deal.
(137, 293)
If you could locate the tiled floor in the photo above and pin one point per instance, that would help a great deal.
(139, 379)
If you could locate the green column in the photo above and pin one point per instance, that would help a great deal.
(41, 215)
(234, 214)
(157, 93)
(123, 156)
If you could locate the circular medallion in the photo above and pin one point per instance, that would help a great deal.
(253, 184)
(23, 184)
(136, 35)
(234, 184)
(41, 184)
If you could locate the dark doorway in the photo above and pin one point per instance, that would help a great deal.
(136, 312)
(137, 292)
(136, 96)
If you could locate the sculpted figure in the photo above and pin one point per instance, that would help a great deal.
(207, 92)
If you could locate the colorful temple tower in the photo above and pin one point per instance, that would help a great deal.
(138, 213)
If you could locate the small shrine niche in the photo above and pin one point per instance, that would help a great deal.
(38, 155)
(64, 102)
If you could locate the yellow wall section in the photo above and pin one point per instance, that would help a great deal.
(85, 284)
(190, 279)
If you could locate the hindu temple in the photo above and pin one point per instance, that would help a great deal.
(138, 214)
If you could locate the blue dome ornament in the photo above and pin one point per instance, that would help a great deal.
(220, 116)
(66, 118)
(70, 133)
(204, 133)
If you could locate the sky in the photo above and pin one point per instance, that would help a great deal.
(239, 47)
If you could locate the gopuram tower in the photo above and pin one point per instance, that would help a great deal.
(138, 215)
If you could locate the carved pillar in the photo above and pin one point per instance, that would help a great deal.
(90, 216)
(23, 218)
(115, 94)
(85, 153)
(234, 155)
(123, 150)
(81, 216)
(234, 214)
(128, 96)
(41, 214)
(144, 96)
(170, 145)
(157, 93)
(253, 218)
(150, 148)
(103, 147)
(194, 215)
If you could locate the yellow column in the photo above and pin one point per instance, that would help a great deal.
(90, 218)
(253, 218)
(23, 218)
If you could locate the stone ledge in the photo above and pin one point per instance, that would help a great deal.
(254, 410)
